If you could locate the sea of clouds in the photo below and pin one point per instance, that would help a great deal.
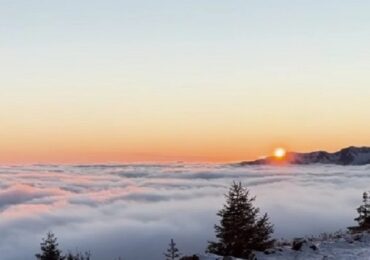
(133, 210)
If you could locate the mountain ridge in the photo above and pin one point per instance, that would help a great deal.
(351, 155)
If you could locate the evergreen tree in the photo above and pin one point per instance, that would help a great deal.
(172, 252)
(364, 212)
(240, 230)
(78, 256)
(49, 249)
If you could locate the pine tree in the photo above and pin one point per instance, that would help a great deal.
(78, 256)
(49, 249)
(172, 252)
(240, 230)
(364, 212)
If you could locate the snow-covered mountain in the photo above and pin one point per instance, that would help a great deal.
(347, 156)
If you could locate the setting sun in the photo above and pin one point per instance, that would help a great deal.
(279, 152)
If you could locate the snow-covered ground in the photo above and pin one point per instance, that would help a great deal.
(344, 247)
(215, 257)
(341, 246)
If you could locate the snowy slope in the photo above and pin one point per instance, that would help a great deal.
(215, 257)
(343, 247)
(346, 247)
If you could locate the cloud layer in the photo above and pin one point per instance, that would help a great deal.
(133, 210)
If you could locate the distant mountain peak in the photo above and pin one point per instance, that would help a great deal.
(347, 156)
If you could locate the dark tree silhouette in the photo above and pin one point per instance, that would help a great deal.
(78, 256)
(363, 219)
(49, 249)
(172, 251)
(241, 230)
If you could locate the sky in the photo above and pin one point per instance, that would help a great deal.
(114, 81)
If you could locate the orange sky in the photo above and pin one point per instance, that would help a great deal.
(233, 123)
(219, 143)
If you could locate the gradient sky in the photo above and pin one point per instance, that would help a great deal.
(109, 81)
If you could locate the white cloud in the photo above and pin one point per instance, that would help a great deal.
(133, 210)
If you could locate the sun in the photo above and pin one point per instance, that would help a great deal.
(279, 152)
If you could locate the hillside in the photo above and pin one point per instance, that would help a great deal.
(347, 156)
